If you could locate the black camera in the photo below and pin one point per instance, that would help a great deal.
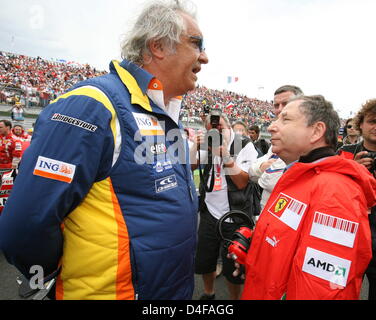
(371, 155)
(213, 137)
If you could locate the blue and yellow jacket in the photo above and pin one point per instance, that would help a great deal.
(105, 195)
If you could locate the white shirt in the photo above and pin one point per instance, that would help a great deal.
(269, 178)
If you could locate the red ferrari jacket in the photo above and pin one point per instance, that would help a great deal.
(10, 151)
(313, 240)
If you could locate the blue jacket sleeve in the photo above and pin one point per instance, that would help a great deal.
(72, 148)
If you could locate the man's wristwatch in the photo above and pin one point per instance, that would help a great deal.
(228, 161)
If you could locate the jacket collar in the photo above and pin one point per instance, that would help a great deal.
(136, 80)
(317, 154)
(144, 87)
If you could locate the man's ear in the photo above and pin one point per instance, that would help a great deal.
(319, 129)
(157, 48)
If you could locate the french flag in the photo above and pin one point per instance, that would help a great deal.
(229, 106)
(232, 79)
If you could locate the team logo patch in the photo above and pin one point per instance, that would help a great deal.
(334, 229)
(158, 148)
(54, 169)
(272, 241)
(74, 122)
(290, 211)
(326, 266)
(165, 184)
(148, 125)
(162, 166)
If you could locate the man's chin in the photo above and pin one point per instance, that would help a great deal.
(275, 150)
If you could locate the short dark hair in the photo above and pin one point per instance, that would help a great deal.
(7, 123)
(368, 108)
(255, 128)
(289, 88)
(316, 109)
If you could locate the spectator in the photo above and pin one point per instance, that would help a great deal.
(240, 128)
(10, 148)
(260, 144)
(17, 112)
(19, 133)
(364, 153)
(268, 169)
(352, 134)
(227, 178)
(312, 240)
(129, 224)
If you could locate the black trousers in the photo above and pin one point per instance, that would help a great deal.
(209, 247)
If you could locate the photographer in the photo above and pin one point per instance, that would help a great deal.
(365, 153)
(223, 183)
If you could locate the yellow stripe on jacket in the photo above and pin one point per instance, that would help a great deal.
(96, 256)
(98, 95)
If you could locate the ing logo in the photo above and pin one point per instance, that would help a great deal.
(54, 170)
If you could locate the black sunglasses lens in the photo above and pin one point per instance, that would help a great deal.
(200, 42)
(201, 45)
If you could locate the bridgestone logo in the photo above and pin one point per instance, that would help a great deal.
(74, 122)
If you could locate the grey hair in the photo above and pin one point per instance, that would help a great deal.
(160, 20)
(315, 109)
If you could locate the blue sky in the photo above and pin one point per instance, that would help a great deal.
(324, 46)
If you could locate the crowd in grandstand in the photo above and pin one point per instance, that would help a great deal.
(237, 107)
(37, 81)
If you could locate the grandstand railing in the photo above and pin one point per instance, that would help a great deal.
(9, 95)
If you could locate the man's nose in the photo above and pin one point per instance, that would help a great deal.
(272, 127)
(203, 58)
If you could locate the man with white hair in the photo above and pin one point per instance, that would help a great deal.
(89, 210)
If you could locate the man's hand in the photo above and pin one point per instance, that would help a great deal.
(240, 270)
(266, 165)
(367, 162)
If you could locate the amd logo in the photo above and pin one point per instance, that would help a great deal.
(328, 267)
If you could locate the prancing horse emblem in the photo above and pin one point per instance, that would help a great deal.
(281, 204)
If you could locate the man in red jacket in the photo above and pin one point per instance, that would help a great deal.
(20, 134)
(10, 148)
(312, 240)
(10, 156)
